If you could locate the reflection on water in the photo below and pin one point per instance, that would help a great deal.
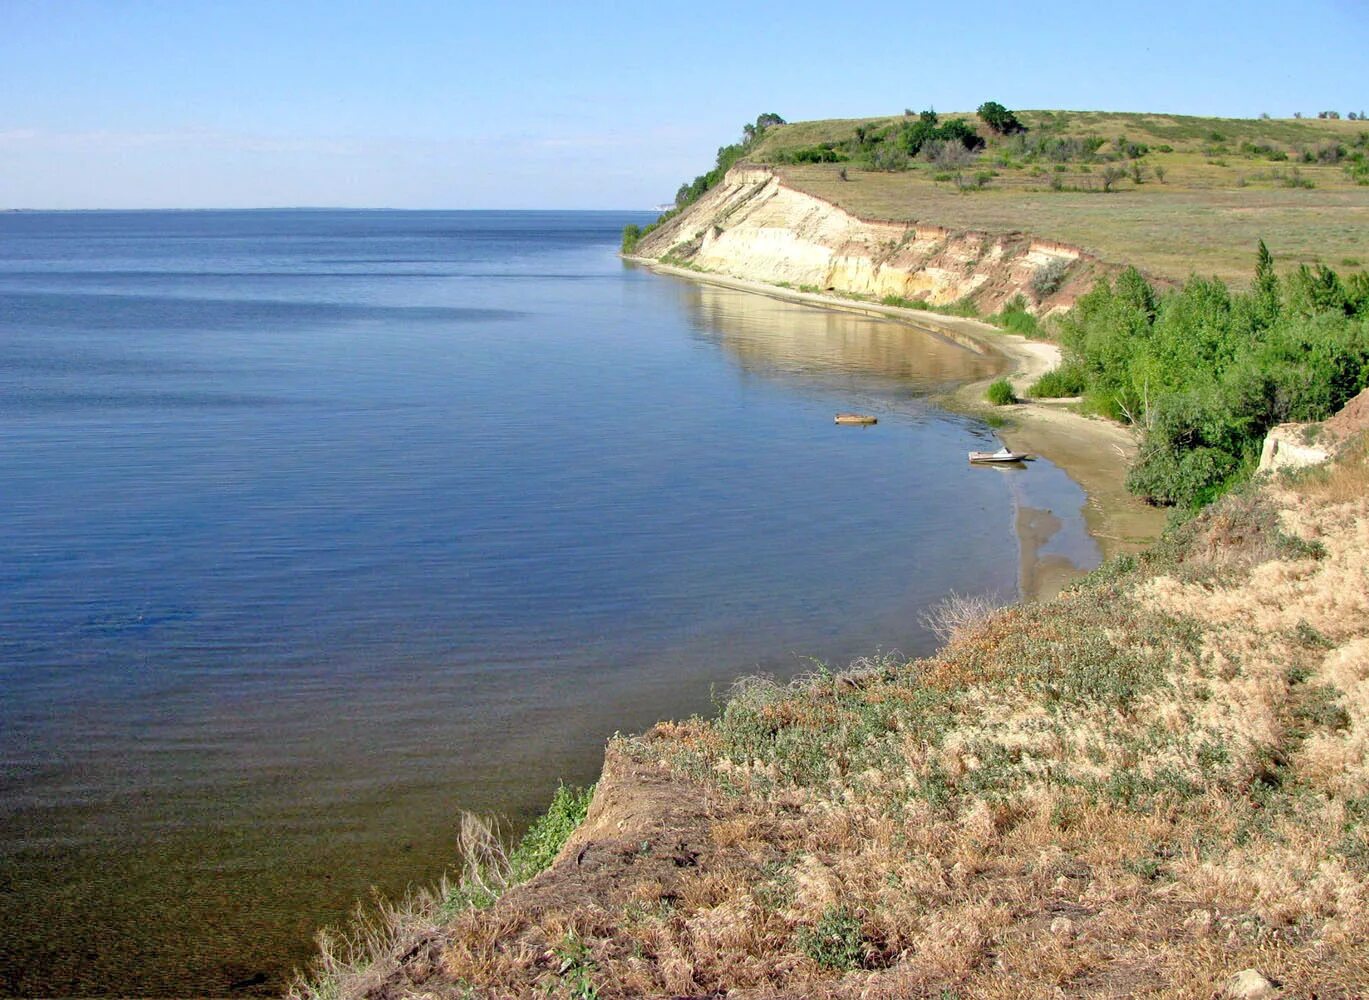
(771, 337)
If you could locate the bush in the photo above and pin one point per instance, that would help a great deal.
(825, 153)
(1111, 175)
(545, 838)
(889, 158)
(631, 234)
(1049, 277)
(913, 134)
(1000, 119)
(1000, 393)
(958, 616)
(1015, 318)
(1066, 379)
(1205, 372)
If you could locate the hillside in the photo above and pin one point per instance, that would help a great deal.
(1148, 787)
(1155, 784)
(1209, 189)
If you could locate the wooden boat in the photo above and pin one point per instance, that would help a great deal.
(1001, 455)
(855, 418)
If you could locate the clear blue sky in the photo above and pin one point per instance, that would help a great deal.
(580, 104)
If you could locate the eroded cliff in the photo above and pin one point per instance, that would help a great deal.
(754, 226)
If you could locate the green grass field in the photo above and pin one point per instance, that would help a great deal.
(1209, 189)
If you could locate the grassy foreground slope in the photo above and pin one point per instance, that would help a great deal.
(1209, 189)
(1143, 788)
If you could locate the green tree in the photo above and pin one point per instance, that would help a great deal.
(1266, 287)
(999, 118)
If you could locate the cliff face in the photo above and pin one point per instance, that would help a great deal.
(753, 226)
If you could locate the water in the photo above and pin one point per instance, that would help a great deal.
(317, 528)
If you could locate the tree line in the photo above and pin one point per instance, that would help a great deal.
(1205, 372)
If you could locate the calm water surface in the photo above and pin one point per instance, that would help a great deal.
(318, 528)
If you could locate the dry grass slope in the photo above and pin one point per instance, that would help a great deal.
(1156, 781)
(1219, 193)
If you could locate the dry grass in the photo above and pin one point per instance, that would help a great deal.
(1215, 203)
(958, 615)
(1154, 782)
(1345, 481)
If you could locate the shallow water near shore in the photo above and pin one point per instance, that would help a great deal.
(322, 527)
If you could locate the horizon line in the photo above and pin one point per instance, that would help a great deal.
(314, 208)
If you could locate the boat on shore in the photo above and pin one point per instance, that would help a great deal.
(1001, 455)
(856, 418)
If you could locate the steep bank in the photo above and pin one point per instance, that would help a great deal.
(754, 226)
(1153, 786)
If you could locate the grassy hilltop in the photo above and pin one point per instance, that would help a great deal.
(1186, 194)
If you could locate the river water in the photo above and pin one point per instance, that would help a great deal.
(318, 528)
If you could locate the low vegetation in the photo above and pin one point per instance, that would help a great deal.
(1204, 372)
(964, 307)
(1000, 393)
(1015, 317)
(388, 939)
(1153, 782)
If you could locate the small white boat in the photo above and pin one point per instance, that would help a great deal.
(855, 418)
(1001, 455)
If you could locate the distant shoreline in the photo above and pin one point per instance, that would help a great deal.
(1094, 453)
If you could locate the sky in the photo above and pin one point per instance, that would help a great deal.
(589, 105)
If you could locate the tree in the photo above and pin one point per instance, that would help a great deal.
(1266, 287)
(1000, 119)
(1111, 175)
(768, 119)
(959, 130)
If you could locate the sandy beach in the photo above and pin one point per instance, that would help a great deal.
(1095, 453)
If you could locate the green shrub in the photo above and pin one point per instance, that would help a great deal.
(1066, 379)
(1000, 393)
(1015, 318)
(1000, 119)
(1049, 277)
(888, 158)
(835, 942)
(632, 233)
(545, 838)
(1206, 372)
(825, 153)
